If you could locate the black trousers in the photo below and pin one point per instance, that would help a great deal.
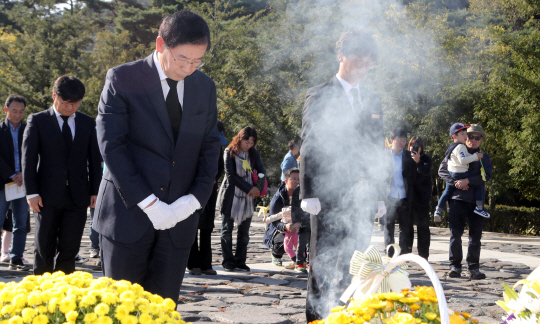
(303, 243)
(242, 241)
(334, 238)
(201, 257)
(59, 231)
(462, 212)
(398, 210)
(423, 240)
(278, 246)
(153, 261)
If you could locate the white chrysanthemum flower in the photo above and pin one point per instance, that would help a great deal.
(528, 319)
(261, 175)
(516, 305)
(531, 303)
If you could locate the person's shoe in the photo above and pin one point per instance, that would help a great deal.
(276, 261)
(242, 267)
(195, 271)
(98, 263)
(476, 274)
(290, 265)
(300, 267)
(437, 216)
(80, 260)
(228, 268)
(209, 272)
(18, 265)
(454, 273)
(24, 260)
(5, 258)
(94, 253)
(481, 211)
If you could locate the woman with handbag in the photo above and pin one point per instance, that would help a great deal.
(235, 198)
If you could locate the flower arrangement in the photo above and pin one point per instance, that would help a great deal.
(419, 306)
(78, 298)
(522, 307)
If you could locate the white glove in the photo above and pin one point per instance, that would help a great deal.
(184, 207)
(311, 205)
(161, 215)
(381, 209)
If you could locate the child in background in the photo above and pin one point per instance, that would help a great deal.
(458, 166)
(291, 238)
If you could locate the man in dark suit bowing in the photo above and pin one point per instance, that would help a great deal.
(342, 170)
(61, 171)
(11, 136)
(158, 137)
(400, 196)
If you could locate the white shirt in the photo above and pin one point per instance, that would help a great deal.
(347, 86)
(71, 122)
(460, 158)
(165, 85)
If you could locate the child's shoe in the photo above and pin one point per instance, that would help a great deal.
(437, 215)
(300, 267)
(290, 265)
(276, 261)
(481, 211)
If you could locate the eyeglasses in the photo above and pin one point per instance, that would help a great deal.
(362, 64)
(73, 104)
(183, 61)
(476, 138)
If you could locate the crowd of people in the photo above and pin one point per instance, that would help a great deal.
(149, 168)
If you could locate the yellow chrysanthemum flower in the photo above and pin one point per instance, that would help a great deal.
(88, 300)
(68, 304)
(8, 310)
(52, 304)
(409, 300)
(90, 318)
(121, 312)
(72, 316)
(16, 320)
(403, 318)
(19, 301)
(28, 314)
(34, 299)
(104, 320)
(454, 319)
(145, 318)
(130, 305)
(156, 299)
(430, 316)
(46, 284)
(41, 309)
(40, 319)
(102, 309)
(414, 307)
(169, 304)
(109, 298)
(6, 296)
(129, 319)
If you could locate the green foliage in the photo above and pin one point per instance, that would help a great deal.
(514, 220)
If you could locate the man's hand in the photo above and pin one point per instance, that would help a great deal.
(292, 227)
(254, 192)
(480, 155)
(161, 215)
(311, 205)
(462, 184)
(18, 179)
(35, 203)
(93, 200)
(184, 207)
(381, 209)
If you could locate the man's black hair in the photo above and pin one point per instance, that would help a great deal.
(291, 171)
(69, 89)
(398, 132)
(15, 98)
(292, 145)
(184, 27)
(354, 42)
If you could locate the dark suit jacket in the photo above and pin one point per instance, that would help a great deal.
(47, 166)
(340, 146)
(232, 179)
(7, 151)
(136, 141)
(409, 173)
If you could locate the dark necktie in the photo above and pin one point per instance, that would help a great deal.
(355, 102)
(174, 108)
(66, 133)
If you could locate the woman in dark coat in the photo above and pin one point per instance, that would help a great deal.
(422, 194)
(200, 259)
(235, 198)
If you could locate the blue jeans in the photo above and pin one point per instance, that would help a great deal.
(447, 194)
(20, 216)
(92, 234)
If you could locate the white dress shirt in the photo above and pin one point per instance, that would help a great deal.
(165, 86)
(347, 86)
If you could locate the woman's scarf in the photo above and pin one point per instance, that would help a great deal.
(242, 206)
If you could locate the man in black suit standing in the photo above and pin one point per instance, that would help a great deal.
(61, 171)
(341, 170)
(11, 137)
(158, 137)
(401, 193)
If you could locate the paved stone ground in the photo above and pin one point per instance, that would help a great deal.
(271, 294)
